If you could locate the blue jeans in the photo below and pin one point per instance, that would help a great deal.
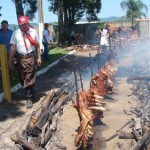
(45, 53)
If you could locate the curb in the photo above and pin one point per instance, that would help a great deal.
(18, 86)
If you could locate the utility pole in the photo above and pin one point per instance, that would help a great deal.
(60, 22)
(40, 22)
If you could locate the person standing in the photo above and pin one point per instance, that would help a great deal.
(46, 41)
(72, 37)
(104, 38)
(5, 36)
(25, 42)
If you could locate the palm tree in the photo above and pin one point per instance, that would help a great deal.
(134, 9)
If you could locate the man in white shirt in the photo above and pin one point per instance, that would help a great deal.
(24, 43)
(104, 37)
(46, 41)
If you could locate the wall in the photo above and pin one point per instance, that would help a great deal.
(144, 27)
(89, 30)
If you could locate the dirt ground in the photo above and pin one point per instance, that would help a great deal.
(13, 115)
(114, 116)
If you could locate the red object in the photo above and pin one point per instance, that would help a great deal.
(22, 20)
(31, 40)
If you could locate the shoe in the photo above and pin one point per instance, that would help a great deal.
(32, 94)
(29, 104)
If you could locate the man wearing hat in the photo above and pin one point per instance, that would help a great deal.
(25, 43)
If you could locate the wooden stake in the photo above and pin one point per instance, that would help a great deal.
(80, 74)
(91, 65)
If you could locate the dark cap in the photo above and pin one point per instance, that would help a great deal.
(46, 24)
(4, 21)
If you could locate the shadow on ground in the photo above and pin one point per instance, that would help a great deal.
(55, 77)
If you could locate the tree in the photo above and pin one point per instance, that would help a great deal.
(92, 7)
(72, 11)
(134, 9)
(26, 7)
(19, 7)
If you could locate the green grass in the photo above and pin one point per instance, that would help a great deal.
(54, 54)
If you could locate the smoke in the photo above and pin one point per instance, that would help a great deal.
(134, 60)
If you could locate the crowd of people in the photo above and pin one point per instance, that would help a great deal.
(122, 34)
(23, 45)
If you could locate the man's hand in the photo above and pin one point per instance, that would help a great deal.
(11, 56)
(39, 62)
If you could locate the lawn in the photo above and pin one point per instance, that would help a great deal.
(54, 53)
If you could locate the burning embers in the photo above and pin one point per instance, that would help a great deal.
(90, 104)
(141, 123)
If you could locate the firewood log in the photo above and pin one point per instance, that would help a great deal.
(44, 130)
(22, 141)
(116, 134)
(47, 137)
(139, 145)
(125, 135)
(61, 102)
(42, 119)
(43, 106)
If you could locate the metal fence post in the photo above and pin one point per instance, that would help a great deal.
(5, 73)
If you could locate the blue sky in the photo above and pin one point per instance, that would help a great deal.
(109, 8)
